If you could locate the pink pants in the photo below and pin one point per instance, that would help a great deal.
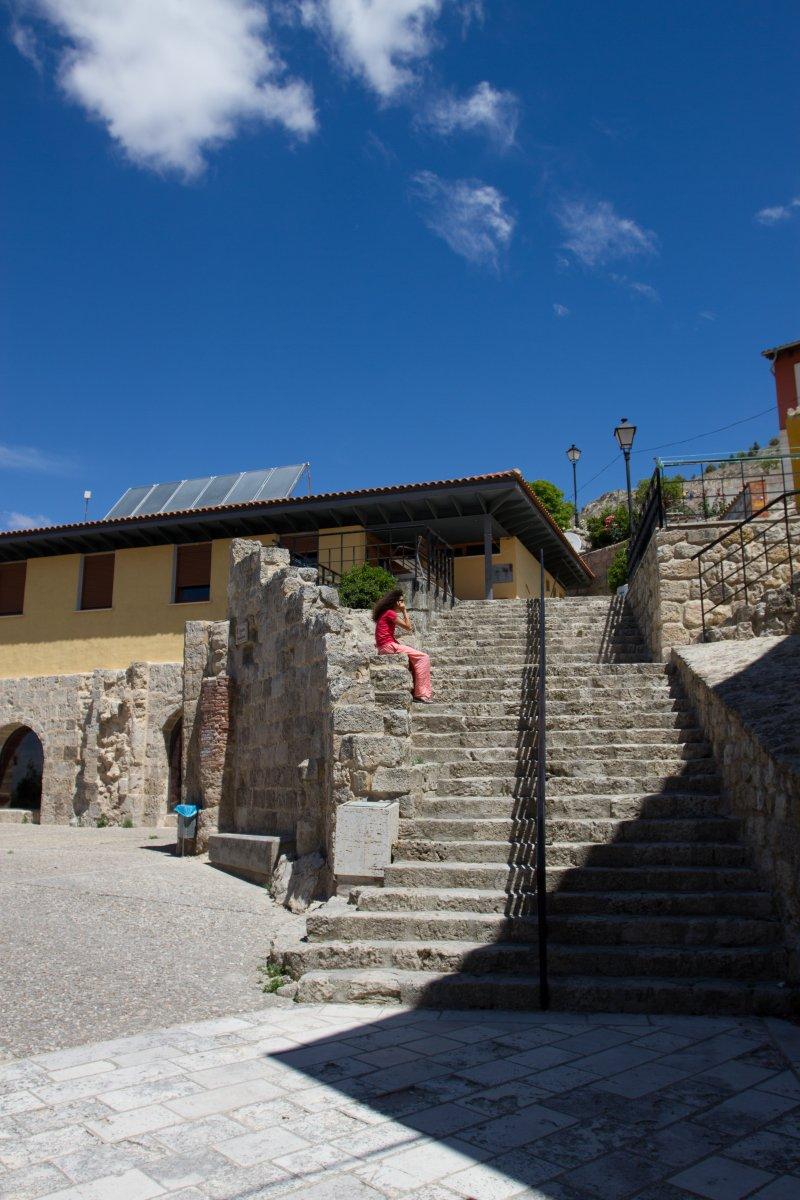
(418, 664)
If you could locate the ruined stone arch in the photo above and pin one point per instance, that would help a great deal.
(172, 730)
(22, 766)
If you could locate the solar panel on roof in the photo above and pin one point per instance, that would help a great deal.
(128, 503)
(271, 483)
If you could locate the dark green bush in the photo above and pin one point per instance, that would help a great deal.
(553, 500)
(361, 586)
(618, 569)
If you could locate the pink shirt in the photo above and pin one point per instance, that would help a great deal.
(384, 628)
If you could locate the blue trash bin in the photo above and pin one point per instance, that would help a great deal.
(187, 824)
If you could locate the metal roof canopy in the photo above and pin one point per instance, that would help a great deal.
(504, 496)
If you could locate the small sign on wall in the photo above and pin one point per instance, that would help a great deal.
(503, 573)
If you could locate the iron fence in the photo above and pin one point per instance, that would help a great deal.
(423, 559)
(724, 489)
(739, 565)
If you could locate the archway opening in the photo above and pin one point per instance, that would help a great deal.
(21, 767)
(174, 739)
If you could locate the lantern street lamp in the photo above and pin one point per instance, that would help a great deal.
(625, 433)
(573, 454)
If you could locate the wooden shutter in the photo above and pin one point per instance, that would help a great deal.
(97, 589)
(12, 588)
(192, 568)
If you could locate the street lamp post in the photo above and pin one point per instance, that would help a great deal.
(573, 454)
(625, 433)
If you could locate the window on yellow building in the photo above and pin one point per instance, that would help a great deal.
(192, 573)
(97, 581)
(12, 588)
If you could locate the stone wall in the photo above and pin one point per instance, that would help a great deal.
(664, 592)
(317, 719)
(747, 696)
(598, 561)
(103, 736)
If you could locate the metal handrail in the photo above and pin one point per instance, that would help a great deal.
(541, 812)
(741, 583)
(651, 518)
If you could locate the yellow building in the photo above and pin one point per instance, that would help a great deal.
(105, 594)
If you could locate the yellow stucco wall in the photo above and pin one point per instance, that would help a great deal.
(53, 637)
(793, 435)
(469, 579)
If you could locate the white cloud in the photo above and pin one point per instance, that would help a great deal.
(471, 216)
(380, 41)
(28, 458)
(561, 310)
(18, 520)
(485, 110)
(778, 212)
(636, 286)
(172, 78)
(707, 315)
(596, 234)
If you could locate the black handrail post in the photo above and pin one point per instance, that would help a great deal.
(744, 563)
(541, 857)
(788, 542)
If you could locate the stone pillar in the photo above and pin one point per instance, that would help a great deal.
(212, 719)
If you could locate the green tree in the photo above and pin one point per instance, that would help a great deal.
(361, 586)
(612, 525)
(553, 500)
(618, 569)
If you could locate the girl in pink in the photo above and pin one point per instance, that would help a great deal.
(390, 611)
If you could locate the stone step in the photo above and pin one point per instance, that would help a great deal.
(353, 925)
(580, 785)
(628, 854)
(510, 739)
(651, 805)
(571, 829)
(568, 993)
(613, 758)
(611, 711)
(681, 962)
(585, 930)
(577, 785)
(497, 876)
(410, 899)
(754, 904)
(501, 876)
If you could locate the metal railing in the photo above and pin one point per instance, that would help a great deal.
(724, 489)
(423, 559)
(540, 736)
(740, 563)
(650, 519)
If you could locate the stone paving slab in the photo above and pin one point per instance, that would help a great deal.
(104, 933)
(369, 1103)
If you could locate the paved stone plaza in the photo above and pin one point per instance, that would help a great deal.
(349, 1103)
(103, 933)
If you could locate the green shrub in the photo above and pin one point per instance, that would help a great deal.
(361, 586)
(102, 821)
(618, 569)
(127, 823)
(553, 500)
(611, 526)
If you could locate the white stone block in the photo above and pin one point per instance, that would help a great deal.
(365, 833)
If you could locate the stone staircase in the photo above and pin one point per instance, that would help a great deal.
(653, 902)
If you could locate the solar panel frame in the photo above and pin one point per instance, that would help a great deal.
(208, 491)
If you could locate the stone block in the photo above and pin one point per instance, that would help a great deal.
(365, 833)
(357, 718)
(395, 781)
(250, 856)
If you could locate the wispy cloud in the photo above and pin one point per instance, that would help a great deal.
(561, 310)
(472, 217)
(170, 79)
(596, 234)
(485, 110)
(645, 290)
(18, 520)
(29, 458)
(707, 315)
(778, 212)
(379, 41)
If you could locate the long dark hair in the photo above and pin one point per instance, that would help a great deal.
(389, 600)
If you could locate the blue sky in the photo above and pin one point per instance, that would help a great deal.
(405, 239)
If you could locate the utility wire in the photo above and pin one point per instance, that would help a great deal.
(711, 432)
(683, 442)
